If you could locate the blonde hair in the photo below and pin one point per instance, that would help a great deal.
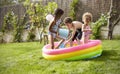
(86, 16)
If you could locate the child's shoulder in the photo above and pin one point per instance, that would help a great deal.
(77, 22)
(52, 22)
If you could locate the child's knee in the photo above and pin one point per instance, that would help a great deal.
(52, 46)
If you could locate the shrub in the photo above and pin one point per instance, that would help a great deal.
(102, 21)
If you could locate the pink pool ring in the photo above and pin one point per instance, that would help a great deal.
(84, 51)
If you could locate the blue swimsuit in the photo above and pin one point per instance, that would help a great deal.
(55, 28)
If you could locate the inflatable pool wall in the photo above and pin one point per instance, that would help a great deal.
(92, 49)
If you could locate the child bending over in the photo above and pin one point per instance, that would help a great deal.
(75, 26)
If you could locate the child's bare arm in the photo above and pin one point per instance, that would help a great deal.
(59, 43)
(73, 33)
(84, 30)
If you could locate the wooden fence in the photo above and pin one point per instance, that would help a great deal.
(96, 7)
(20, 10)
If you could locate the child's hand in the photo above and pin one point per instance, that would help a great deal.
(87, 29)
(91, 32)
(57, 34)
(66, 42)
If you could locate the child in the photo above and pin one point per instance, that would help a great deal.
(76, 27)
(87, 18)
(54, 26)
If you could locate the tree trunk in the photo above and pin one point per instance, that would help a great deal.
(114, 18)
(110, 32)
(109, 21)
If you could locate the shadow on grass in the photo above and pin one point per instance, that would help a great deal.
(108, 55)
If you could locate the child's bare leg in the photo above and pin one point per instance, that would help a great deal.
(51, 41)
(78, 41)
(83, 41)
(71, 43)
(86, 39)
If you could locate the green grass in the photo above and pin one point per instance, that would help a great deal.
(26, 58)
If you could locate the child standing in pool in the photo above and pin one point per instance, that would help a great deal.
(75, 26)
(54, 26)
(87, 18)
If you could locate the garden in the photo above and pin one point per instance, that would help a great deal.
(26, 58)
(24, 33)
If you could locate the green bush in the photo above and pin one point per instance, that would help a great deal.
(37, 13)
(102, 21)
(10, 22)
(73, 7)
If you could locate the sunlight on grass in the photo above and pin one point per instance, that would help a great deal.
(26, 58)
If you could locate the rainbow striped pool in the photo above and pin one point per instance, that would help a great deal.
(89, 50)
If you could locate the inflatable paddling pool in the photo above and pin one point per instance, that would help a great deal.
(89, 50)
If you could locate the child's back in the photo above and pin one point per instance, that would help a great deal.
(77, 24)
(76, 30)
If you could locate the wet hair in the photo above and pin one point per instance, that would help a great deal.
(58, 12)
(68, 20)
(86, 16)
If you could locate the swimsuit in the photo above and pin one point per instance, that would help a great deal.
(55, 28)
(78, 34)
(87, 33)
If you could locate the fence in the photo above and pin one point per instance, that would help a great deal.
(20, 10)
(96, 7)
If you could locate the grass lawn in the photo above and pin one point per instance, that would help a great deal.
(26, 58)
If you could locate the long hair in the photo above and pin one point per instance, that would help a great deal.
(58, 12)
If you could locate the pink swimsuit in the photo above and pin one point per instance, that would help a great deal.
(87, 33)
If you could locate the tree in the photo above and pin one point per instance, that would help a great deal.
(114, 18)
(10, 2)
(10, 24)
(37, 14)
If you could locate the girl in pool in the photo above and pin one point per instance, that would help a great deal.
(87, 18)
(54, 26)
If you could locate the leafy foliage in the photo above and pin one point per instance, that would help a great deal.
(10, 2)
(34, 18)
(51, 7)
(73, 6)
(10, 22)
(21, 25)
(102, 21)
(37, 13)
